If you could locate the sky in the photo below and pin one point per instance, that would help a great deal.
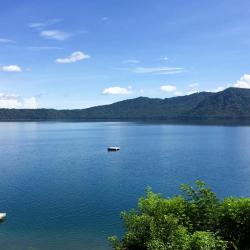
(68, 54)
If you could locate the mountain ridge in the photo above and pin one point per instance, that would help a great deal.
(229, 104)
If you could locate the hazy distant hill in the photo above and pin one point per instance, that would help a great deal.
(230, 104)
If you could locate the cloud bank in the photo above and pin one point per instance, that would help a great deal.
(41, 25)
(4, 40)
(11, 68)
(55, 35)
(117, 91)
(168, 88)
(244, 82)
(74, 57)
(159, 70)
(17, 102)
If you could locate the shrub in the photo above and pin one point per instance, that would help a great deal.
(196, 220)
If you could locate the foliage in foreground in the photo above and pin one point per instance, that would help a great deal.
(196, 220)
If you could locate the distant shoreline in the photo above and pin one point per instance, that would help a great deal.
(230, 106)
(223, 122)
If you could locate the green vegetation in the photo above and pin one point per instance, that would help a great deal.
(196, 220)
(232, 104)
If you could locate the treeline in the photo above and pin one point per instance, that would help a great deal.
(229, 105)
(196, 220)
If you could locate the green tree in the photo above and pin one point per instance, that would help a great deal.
(202, 206)
(202, 240)
(196, 220)
(234, 222)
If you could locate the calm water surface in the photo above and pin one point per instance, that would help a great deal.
(63, 190)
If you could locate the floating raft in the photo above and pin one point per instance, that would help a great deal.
(2, 216)
(113, 148)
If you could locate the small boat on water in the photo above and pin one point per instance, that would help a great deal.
(113, 148)
(2, 216)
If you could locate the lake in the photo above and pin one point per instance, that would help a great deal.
(62, 190)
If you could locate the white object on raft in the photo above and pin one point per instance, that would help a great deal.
(113, 148)
(2, 216)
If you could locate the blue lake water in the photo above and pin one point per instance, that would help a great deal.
(62, 190)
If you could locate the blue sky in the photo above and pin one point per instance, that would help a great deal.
(76, 54)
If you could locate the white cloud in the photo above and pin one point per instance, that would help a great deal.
(178, 93)
(219, 88)
(159, 70)
(134, 61)
(165, 58)
(14, 101)
(117, 91)
(168, 88)
(192, 92)
(244, 82)
(41, 25)
(11, 68)
(4, 40)
(74, 57)
(55, 35)
(11, 103)
(193, 88)
(30, 103)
